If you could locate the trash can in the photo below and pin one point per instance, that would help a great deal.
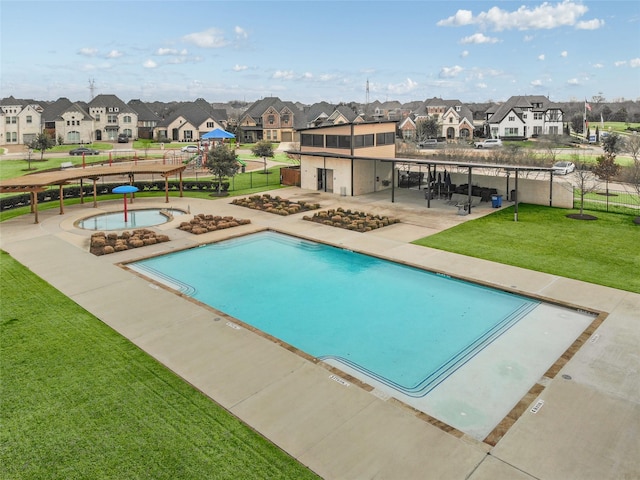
(496, 201)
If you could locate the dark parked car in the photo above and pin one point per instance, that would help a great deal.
(123, 138)
(83, 150)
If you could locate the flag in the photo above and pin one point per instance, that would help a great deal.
(587, 106)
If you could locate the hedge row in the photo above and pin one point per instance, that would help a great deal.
(53, 194)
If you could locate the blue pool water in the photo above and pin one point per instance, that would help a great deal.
(405, 327)
(135, 219)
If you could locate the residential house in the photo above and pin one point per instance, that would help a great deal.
(191, 121)
(21, 122)
(271, 119)
(111, 116)
(327, 171)
(524, 116)
(147, 119)
(454, 119)
(68, 122)
(407, 128)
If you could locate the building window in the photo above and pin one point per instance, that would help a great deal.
(553, 130)
(537, 130)
(285, 118)
(112, 119)
(524, 115)
(210, 124)
(309, 140)
(512, 118)
(126, 119)
(385, 138)
(360, 141)
(97, 117)
(537, 116)
(271, 119)
(511, 131)
(268, 134)
(29, 119)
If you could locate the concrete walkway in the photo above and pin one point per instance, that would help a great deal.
(587, 428)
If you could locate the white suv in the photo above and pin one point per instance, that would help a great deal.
(489, 143)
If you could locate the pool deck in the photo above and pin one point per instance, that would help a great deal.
(587, 428)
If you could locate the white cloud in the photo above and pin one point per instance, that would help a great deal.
(403, 87)
(328, 77)
(564, 54)
(239, 68)
(620, 63)
(211, 38)
(478, 38)
(240, 32)
(114, 54)
(536, 83)
(464, 54)
(88, 52)
(528, 38)
(481, 85)
(634, 62)
(541, 56)
(462, 17)
(573, 81)
(449, 72)
(149, 64)
(590, 24)
(307, 76)
(598, 65)
(542, 17)
(283, 74)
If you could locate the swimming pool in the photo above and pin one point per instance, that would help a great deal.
(135, 219)
(398, 328)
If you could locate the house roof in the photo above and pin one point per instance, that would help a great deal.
(195, 113)
(520, 104)
(54, 111)
(145, 114)
(107, 101)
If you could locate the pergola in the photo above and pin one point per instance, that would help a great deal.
(38, 182)
(470, 166)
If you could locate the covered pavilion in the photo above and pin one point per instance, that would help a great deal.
(430, 163)
(38, 182)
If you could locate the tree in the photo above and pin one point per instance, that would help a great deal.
(632, 147)
(222, 162)
(426, 129)
(607, 168)
(263, 149)
(577, 123)
(585, 181)
(41, 142)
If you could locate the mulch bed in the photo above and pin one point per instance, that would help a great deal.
(202, 223)
(351, 220)
(105, 243)
(276, 205)
(584, 216)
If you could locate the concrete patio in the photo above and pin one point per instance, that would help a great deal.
(586, 426)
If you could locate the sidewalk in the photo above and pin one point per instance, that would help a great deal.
(587, 428)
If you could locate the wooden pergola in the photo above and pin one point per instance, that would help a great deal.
(38, 182)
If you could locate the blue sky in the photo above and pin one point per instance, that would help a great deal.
(310, 51)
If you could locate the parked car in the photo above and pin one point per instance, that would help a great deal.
(429, 142)
(83, 151)
(123, 138)
(563, 168)
(489, 143)
(190, 149)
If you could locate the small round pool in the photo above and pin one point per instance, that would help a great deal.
(135, 219)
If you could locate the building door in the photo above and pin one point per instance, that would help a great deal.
(325, 180)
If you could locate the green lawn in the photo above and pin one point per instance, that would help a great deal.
(79, 401)
(604, 251)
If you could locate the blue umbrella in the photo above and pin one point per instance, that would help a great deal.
(219, 134)
(125, 189)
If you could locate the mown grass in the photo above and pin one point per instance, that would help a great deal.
(79, 401)
(605, 251)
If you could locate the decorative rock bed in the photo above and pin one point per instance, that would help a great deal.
(104, 243)
(202, 223)
(277, 205)
(357, 221)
